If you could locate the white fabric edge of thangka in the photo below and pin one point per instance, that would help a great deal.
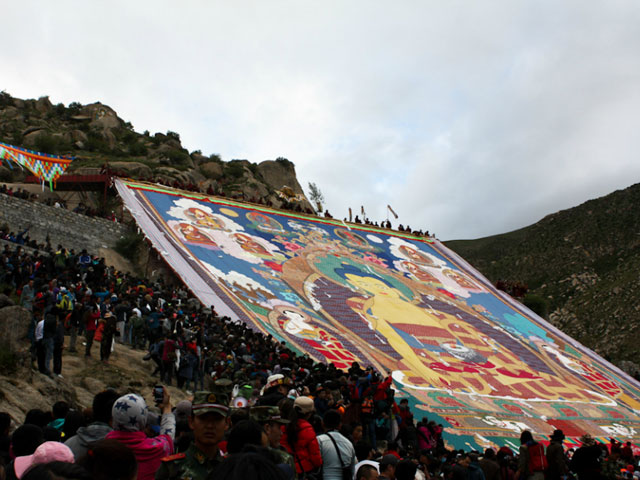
(171, 255)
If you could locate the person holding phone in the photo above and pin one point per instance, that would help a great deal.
(129, 417)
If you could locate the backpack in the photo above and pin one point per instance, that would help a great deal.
(367, 406)
(537, 458)
(65, 303)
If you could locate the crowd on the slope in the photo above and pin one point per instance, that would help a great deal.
(259, 409)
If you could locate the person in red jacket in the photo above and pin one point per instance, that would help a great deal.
(90, 317)
(299, 437)
(381, 388)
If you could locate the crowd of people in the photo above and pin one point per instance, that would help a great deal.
(258, 409)
(386, 224)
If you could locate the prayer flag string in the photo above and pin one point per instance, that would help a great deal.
(48, 168)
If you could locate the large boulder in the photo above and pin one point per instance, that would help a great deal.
(109, 137)
(30, 389)
(93, 385)
(199, 159)
(131, 169)
(79, 135)
(211, 170)
(10, 112)
(170, 173)
(5, 301)
(43, 105)
(102, 116)
(279, 174)
(31, 136)
(195, 177)
(14, 325)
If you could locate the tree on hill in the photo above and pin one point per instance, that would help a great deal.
(315, 195)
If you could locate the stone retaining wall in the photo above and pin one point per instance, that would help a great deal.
(63, 226)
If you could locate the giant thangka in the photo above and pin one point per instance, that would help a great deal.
(465, 354)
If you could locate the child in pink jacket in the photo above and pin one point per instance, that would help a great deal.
(129, 422)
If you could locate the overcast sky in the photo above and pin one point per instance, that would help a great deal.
(468, 118)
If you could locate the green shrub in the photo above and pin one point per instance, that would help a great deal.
(5, 99)
(48, 143)
(536, 303)
(284, 162)
(127, 137)
(234, 170)
(178, 157)
(96, 143)
(129, 245)
(59, 110)
(173, 135)
(138, 149)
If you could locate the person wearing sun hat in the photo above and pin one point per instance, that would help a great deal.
(556, 460)
(275, 390)
(45, 453)
(209, 421)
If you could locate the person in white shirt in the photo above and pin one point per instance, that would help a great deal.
(40, 350)
(338, 454)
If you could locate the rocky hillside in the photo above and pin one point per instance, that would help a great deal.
(23, 387)
(579, 268)
(96, 136)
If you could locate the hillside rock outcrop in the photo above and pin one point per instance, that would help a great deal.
(96, 136)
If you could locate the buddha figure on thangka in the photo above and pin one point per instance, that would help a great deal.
(433, 341)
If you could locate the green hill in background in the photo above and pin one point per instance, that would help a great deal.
(578, 268)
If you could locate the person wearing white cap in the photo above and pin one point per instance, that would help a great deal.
(275, 390)
(299, 437)
(369, 473)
